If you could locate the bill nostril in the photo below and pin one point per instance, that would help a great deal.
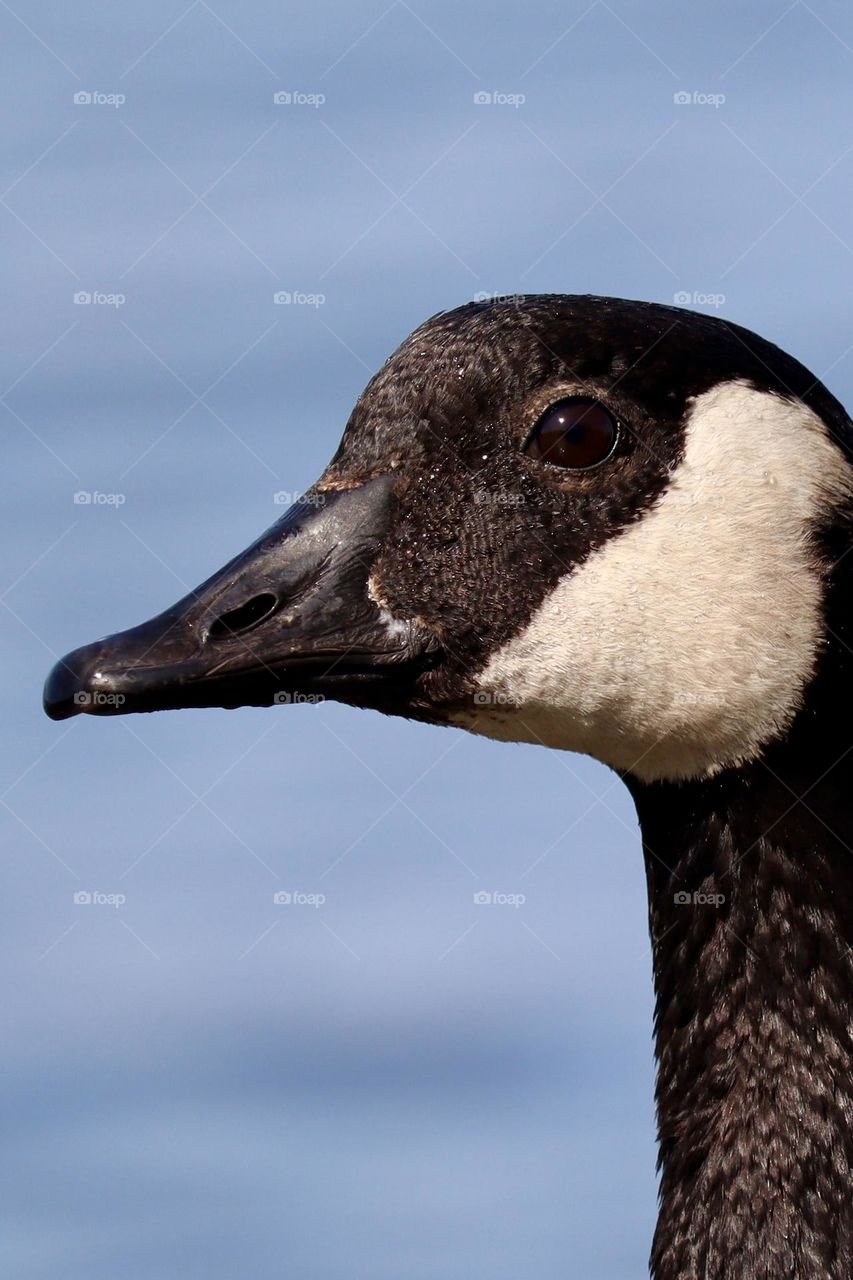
(244, 617)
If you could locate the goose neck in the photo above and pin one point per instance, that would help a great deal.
(750, 878)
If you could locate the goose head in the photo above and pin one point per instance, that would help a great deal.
(621, 529)
(599, 525)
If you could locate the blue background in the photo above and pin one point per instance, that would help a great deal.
(398, 1082)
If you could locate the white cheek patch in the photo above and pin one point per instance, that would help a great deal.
(684, 644)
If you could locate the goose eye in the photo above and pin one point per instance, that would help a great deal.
(575, 434)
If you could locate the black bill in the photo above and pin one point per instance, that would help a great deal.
(289, 618)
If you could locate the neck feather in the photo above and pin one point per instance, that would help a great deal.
(750, 882)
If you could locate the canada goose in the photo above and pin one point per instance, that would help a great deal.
(617, 528)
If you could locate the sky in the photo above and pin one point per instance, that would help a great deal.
(381, 1078)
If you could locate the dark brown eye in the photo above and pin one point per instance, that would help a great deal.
(576, 434)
